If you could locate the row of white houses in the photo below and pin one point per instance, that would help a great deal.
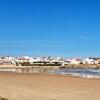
(13, 60)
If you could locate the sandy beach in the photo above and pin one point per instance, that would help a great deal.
(48, 87)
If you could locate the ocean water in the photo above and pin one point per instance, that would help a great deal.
(84, 73)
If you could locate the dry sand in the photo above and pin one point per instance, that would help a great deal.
(48, 87)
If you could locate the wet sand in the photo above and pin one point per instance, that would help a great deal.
(48, 87)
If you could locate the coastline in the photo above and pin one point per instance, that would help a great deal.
(67, 71)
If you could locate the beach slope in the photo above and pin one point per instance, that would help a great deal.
(48, 87)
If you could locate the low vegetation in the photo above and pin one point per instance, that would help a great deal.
(81, 66)
(40, 64)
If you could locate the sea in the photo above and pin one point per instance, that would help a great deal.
(84, 73)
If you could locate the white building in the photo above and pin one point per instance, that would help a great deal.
(75, 61)
(90, 61)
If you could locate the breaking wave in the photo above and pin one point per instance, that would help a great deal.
(85, 73)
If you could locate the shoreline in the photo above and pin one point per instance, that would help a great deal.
(74, 72)
(67, 75)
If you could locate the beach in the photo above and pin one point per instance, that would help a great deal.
(48, 87)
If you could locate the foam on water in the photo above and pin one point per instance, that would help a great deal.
(85, 73)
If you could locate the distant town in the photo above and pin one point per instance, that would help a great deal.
(47, 61)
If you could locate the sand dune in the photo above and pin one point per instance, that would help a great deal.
(48, 87)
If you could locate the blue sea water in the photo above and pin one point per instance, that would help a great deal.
(85, 73)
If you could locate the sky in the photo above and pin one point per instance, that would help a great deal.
(69, 28)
